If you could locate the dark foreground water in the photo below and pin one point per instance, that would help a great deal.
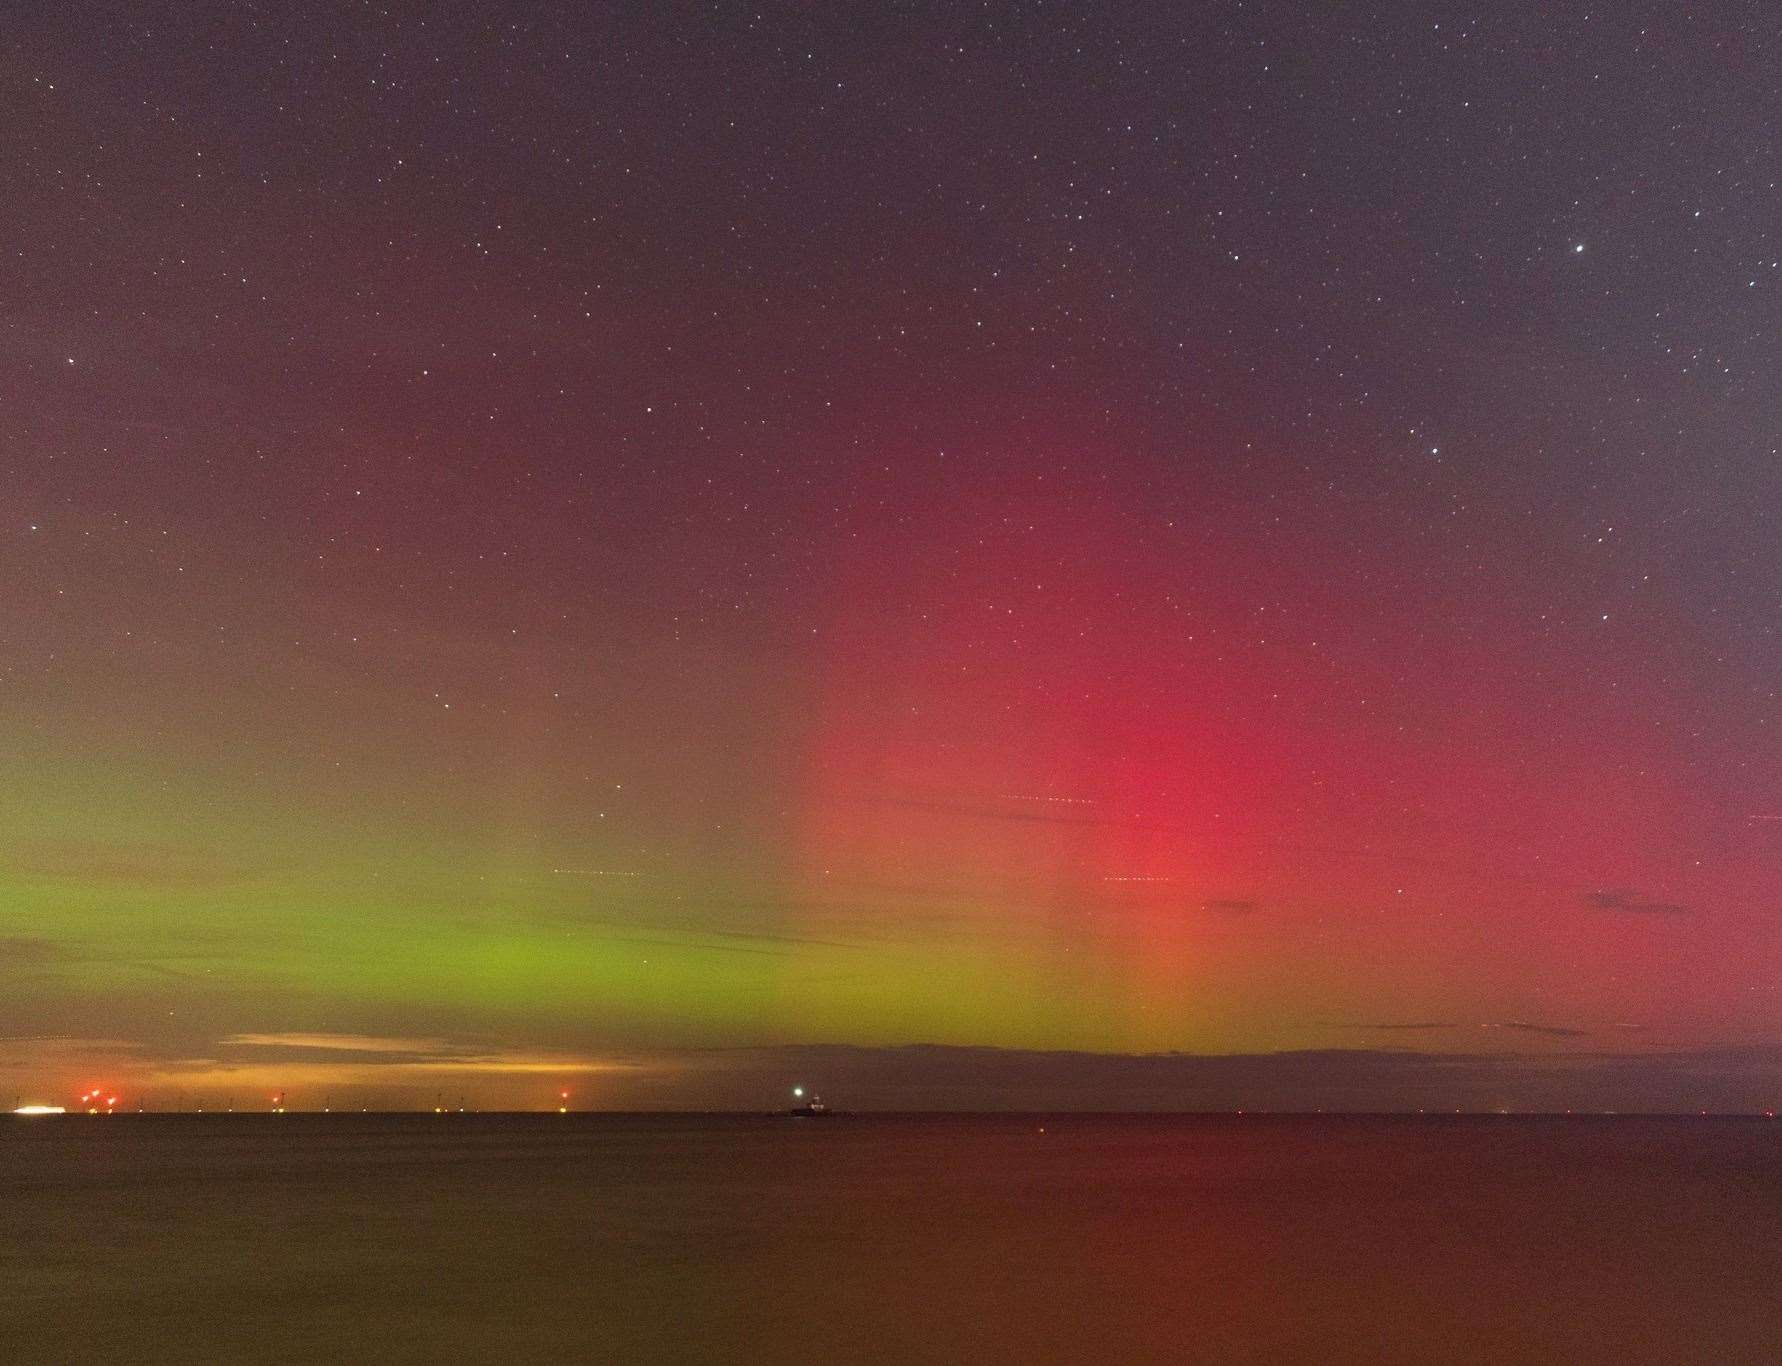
(491, 1238)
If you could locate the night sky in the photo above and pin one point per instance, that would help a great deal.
(566, 548)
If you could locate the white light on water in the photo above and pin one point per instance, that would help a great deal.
(41, 1110)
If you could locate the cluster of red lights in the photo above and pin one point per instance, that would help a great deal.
(96, 1100)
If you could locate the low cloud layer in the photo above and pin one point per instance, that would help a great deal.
(407, 1072)
(1625, 899)
(1551, 1031)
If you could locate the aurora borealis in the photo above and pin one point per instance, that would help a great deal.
(543, 546)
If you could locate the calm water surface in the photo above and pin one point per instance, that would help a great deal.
(424, 1238)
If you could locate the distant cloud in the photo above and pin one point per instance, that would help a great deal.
(1416, 1025)
(721, 941)
(1625, 899)
(401, 1052)
(343, 1043)
(1524, 1026)
(126, 863)
(19, 1050)
(18, 948)
(316, 1058)
(36, 955)
(990, 810)
(1552, 1031)
(712, 937)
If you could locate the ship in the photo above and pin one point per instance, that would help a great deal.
(806, 1107)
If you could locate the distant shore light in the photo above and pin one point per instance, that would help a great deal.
(41, 1110)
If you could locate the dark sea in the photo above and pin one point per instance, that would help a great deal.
(887, 1239)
